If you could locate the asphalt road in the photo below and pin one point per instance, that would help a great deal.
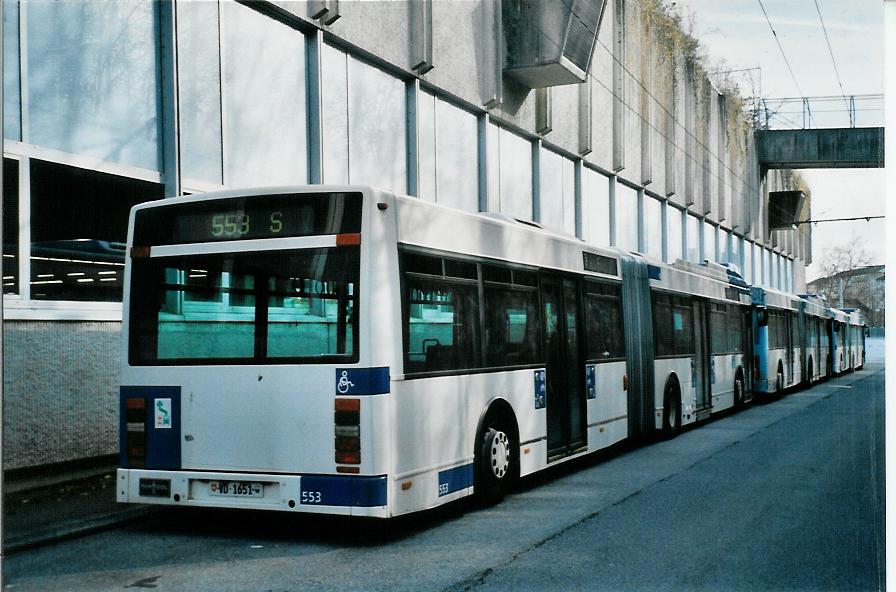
(786, 495)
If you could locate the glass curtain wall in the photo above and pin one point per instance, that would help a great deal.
(92, 79)
(724, 245)
(626, 217)
(595, 207)
(693, 228)
(557, 189)
(510, 173)
(653, 227)
(448, 154)
(709, 242)
(199, 89)
(363, 109)
(673, 226)
(12, 115)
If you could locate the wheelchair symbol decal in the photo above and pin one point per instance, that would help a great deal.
(344, 384)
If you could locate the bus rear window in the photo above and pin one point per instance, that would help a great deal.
(277, 307)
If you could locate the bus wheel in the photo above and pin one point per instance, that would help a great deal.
(739, 390)
(810, 377)
(779, 384)
(495, 464)
(671, 411)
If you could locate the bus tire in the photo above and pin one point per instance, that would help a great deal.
(809, 376)
(496, 461)
(739, 396)
(779, 379)
(671, 410)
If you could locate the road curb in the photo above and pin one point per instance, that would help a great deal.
(74, 528)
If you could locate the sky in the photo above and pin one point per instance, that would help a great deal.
(735, 34)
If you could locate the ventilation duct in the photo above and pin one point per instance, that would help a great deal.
(550, 42)
(785, 209)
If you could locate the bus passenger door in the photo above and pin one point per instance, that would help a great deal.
(702, 371)
(789, 345)
(560, 303)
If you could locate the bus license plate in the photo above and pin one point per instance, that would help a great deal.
(236, 489)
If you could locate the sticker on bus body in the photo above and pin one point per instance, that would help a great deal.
(162, 411)
(590, 387)
(540, 389)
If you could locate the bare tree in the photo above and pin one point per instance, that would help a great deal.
(838, 282)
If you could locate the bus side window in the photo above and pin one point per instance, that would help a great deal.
(603, 322)
(511, 334)
(718, 329)
(443, 326)
(683, 330)
(662, 325)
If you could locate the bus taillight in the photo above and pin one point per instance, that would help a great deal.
(135, 426)
(347, 417)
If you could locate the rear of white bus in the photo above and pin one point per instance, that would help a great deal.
(248, 376)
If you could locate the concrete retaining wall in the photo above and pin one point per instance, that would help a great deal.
(60, 391)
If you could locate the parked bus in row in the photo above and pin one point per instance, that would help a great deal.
(342, 350)
(854, 355)
(776, 340)
(839, 341)
(814, 321)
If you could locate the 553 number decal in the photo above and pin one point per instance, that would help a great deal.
(311, 497)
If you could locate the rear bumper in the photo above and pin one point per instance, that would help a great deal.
(320, 494)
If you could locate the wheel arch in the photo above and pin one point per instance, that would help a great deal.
(673, 381)
(498, 408)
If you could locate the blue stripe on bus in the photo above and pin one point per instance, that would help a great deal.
(162, 442)
(456, 479)
(359, 492)
(362, 381)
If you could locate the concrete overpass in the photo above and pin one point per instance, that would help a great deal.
(855, 147)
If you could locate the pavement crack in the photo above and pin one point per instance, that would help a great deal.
(150, 582)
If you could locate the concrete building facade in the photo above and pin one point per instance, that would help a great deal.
(109, 105)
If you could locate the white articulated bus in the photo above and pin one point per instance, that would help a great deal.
(816, 338)
(347, 351)
(855, 329)
(839, 341)
(776, 335)
(702, 340)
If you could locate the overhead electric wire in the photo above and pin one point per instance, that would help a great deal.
(778, 41)
(865, 218)
(831, 53)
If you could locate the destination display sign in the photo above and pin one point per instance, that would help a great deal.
(249, 217)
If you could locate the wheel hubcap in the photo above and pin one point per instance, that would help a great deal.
(500, 457)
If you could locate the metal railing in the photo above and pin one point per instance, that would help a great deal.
(817, 112)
